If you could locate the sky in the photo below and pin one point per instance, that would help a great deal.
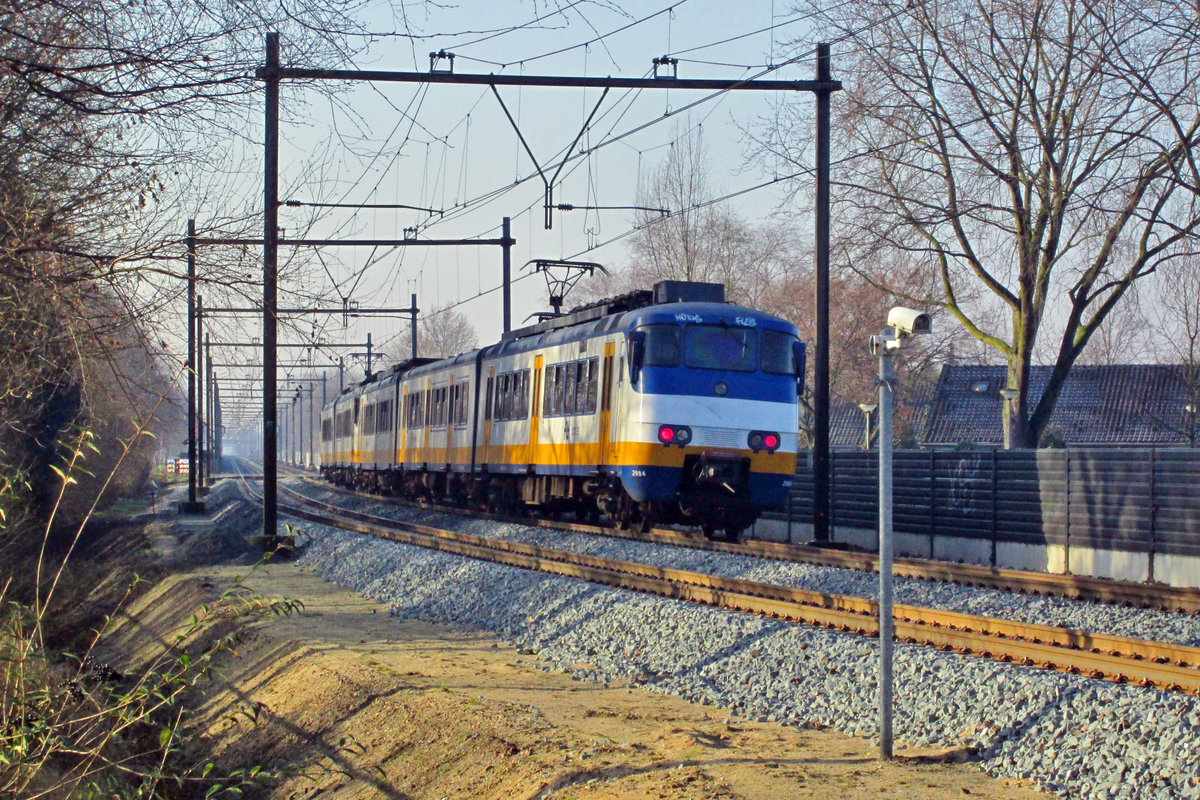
(450, 149)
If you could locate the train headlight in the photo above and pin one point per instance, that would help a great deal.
(683, 435)
(763, 440)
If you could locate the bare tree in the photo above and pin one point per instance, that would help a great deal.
(441, 333)
(699, 239)
(1035, 156)
(1176, 323)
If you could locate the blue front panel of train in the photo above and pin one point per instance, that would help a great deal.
(650, 484)
(769, 491)
(659, 484)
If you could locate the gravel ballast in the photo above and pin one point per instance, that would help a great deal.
(1161, 626)
(1072, 736)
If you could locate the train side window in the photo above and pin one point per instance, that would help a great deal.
(568, 395)
(556, 399)
(581, 386)
(547, 391)
(593, 384)
(461, 410)
(524, 395)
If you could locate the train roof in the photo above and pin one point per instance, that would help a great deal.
(676, 302)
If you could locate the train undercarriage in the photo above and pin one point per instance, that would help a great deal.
(711, 497)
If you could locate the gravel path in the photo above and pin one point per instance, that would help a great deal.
(1163, 626)
(1073, 736)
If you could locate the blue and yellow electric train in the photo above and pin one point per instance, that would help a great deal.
(669, 406)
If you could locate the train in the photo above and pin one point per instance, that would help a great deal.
(662, 406)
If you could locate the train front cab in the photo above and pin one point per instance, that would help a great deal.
(710, 418)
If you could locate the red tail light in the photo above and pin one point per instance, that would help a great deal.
(763, 440)
(666, 434)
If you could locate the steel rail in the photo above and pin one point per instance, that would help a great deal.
(1116, 658)
(1074, 587)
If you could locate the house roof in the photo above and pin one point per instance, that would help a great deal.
(913, 403)
(1120, 404)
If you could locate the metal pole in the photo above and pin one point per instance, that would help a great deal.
(341, 374)
(270, 267)
(507, 244)
(209, 409)
(368, 355)
(310, 461)
(821, 360)
(885, 545)
(413, 327)
(300, 428)
(200, 397)
(192, 506)
(324, 400)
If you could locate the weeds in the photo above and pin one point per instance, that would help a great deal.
(74, 726)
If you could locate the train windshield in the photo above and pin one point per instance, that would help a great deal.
(722, 347)
(778, 350)
(662, 345)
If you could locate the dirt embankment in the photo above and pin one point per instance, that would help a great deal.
(374, 707)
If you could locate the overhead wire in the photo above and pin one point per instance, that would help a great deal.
(486, 197)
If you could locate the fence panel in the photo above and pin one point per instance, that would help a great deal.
(1134, 500)
(1110, 499)
(1177, 502)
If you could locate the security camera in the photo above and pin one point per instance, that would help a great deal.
(907, 321)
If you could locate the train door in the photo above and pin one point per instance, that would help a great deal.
(486, 449)
(535, 412)
(356, 442)
(606, 376)
(616, 403)
(402, 415)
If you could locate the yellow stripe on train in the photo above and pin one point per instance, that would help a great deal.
(621, 454)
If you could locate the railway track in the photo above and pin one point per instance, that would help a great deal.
(1121, 659)
(1074, 587)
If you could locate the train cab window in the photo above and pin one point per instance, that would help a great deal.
(662, 345)
(777, 353)
(722, 347)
